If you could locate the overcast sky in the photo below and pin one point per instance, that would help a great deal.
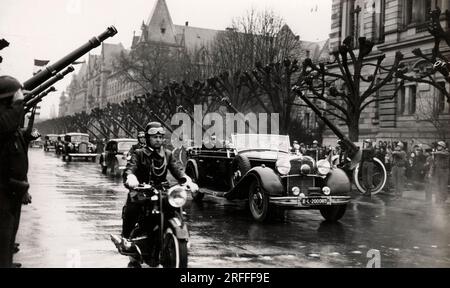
(49, 29)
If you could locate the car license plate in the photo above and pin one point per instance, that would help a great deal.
(315, 201)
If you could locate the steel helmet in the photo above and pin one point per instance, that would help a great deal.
(8, 86)
(442, 144)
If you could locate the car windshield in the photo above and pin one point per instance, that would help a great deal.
(125, 146)
(261, 142)
(79, 138)
(52, 137)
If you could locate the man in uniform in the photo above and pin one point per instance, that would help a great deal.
(440, 173)
(368, 166)
(399, 164)
(13, 167)
(149, 165)
(141, 143)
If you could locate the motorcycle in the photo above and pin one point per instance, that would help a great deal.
(161, 235)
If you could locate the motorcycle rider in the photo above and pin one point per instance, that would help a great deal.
(149, 165)
(141, 143)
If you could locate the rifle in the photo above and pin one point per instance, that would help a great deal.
(33, 102)
(51, 70)
(89, 130)
(161, 121)
(101, 132)
(107, 128)
(350, 148)
(47, 84)
(139, 126)
(121, 126)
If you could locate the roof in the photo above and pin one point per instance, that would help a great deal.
(195, 38)
(124, 140)
(77, 134)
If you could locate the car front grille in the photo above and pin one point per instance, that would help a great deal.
(83, 148)
(305, 183)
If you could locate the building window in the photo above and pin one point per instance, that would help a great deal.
(441, 100)
(348, 21)
(307, 120)
(401, 99)
(407, 100)
(417, 11)
(379, 7)
(412, 99)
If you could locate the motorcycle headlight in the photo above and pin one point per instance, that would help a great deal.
(323, 167)
(177, 196)
(283, 166)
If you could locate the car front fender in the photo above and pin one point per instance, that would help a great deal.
(339, 182)
(270, 182)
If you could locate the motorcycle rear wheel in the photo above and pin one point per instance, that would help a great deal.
(174, 252)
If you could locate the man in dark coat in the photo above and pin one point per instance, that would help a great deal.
(13, 166)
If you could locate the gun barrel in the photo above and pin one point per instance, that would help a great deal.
(51, 70)
(49, 83)
(30, 104)
(123, 128)
(139, 126)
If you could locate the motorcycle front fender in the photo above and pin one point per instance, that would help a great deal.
(179, 228)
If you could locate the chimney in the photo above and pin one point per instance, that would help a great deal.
(187, 23)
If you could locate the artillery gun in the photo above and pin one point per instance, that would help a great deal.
(351, 154)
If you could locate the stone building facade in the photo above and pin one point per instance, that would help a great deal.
(395, 25)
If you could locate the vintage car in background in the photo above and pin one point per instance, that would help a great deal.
(261, 169)
(50, 142)
(115, 155)
(77, 145)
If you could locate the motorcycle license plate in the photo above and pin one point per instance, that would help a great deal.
(315, 201)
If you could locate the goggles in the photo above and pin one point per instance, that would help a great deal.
(154, 131)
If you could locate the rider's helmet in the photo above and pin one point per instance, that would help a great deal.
(400, 144)
(442, 144)
(154, 128)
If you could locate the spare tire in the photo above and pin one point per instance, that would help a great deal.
(239, 167)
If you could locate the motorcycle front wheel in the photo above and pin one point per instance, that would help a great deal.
(174, 252)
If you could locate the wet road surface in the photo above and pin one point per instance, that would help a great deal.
(75, 208)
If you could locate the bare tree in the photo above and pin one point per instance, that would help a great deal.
(429, 110)
(256, 37)
(438, 62)
(347, 92)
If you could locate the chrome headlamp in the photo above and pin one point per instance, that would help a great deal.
(283, 166)
(177, 196)
(323, 167)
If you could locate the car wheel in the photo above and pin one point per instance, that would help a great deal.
(258, 201)
(379, 177)
(333, 213)
(191, 172)
(239, 167)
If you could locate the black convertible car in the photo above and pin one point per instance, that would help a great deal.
(261, 169)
